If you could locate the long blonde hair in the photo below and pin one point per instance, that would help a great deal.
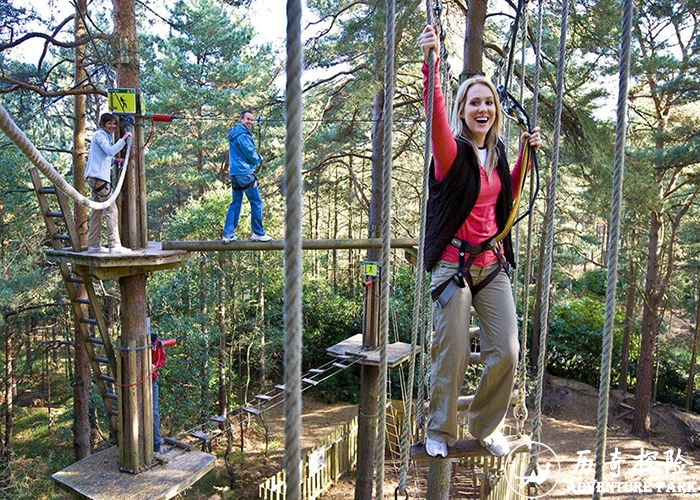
(462, 132)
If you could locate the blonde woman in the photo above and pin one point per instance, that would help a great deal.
(470, 197)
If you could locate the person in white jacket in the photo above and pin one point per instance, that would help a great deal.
(98, 177)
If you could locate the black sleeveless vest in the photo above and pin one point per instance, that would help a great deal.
(451, 200)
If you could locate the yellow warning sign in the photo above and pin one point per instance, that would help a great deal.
(371, 268)
(122, 101)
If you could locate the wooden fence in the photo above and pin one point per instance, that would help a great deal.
(321, 467)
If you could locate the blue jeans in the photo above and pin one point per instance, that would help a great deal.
(234, 209)
(157, 439)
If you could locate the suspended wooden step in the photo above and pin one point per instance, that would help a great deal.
(251, 410)
(309, 381)
(219, 419)
(203, 436)
(263, 397)
(397, 353)
(317, 370)
(467, 448)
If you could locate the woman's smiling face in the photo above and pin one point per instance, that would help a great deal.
(479, 112)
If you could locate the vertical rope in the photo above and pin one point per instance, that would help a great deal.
(614, 237)
(292, 255)
(549, 228)
(388, 113)
(520, 410)
(420, 273)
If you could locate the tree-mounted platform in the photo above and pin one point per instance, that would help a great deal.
(468, 448)
(107, 266)
(98, 476)
(396, 353)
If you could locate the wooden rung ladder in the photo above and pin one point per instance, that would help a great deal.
(81, 293)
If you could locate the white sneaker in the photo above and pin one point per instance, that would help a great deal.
(97, 249)
(229, 240)
(496, 444)
(435, 448)
(260, 237)
(119, 249)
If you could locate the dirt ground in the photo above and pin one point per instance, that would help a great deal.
(666, 467)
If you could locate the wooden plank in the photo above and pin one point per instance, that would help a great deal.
(200, 435)
(220, 419)
(98, 476)
(397, 353)
(466, 448)
(251, 410)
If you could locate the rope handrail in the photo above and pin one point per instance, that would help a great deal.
(293, 254)
(420, 273)
(614, 238)
(388, 123)
(549, 243)
(15, 134)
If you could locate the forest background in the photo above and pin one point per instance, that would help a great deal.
(202, 62)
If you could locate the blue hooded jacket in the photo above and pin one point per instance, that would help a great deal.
(242, 156)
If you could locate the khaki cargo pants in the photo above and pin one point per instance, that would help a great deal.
(450, 349)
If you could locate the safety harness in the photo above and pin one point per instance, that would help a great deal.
(243, 188)
(461, 278)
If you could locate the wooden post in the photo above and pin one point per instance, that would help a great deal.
(439, 479)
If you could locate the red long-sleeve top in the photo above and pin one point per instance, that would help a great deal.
(157, 356)
(480, 224)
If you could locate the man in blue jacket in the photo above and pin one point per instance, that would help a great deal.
(242, 160)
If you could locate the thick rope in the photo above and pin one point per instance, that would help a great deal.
(420, 273)
(614, 237)
(293, 255)
(520, 410)
(11, 130)
(388, 113)
(549, 228)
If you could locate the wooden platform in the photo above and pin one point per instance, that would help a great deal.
(467, 448)
(98, 476)
(106, 266)
(396, 353)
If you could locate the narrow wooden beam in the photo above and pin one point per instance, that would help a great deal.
(322, 244)
(467, 448)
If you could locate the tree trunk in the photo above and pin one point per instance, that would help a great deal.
(474, 39)
(81, 382)
(693, 357)
(223, 385)
(136, 410)
(369, 375)
(629, 320)
(645, 367)
(10, 383)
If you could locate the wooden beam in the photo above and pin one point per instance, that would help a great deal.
(467, 448)
(321, 244)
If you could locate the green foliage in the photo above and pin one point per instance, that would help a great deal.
(576, 340)
(329, 318)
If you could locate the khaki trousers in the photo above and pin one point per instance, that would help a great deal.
(110, 213)
(450, 351)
